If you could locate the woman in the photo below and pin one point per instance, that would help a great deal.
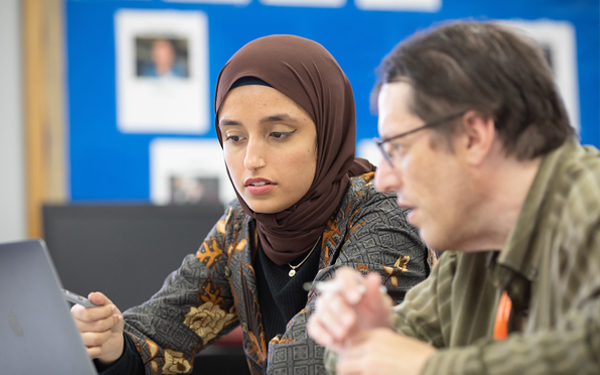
(285, 118)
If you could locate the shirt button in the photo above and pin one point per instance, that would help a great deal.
(244, 327)
(227, 272)
(533, 273)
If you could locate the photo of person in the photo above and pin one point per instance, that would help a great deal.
(162, 71)
(194, 189)
(161, 57)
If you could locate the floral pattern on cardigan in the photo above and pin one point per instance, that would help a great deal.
(214, 290)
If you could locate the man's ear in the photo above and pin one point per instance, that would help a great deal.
(476, 140)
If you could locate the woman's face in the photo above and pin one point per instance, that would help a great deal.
(269, 144)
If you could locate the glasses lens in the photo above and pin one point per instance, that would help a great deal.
(384, 153)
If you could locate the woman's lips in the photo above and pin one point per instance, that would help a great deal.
(258, 186)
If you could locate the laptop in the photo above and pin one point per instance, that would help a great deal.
(37, 333)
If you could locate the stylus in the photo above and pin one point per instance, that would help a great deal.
(76, 298)
(321, 286)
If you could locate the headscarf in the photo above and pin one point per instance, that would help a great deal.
(305, 72)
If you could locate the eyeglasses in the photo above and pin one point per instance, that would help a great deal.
(381, 142)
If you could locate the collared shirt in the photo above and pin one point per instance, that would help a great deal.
(549, 266)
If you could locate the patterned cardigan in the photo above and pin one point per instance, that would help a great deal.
(215, 290)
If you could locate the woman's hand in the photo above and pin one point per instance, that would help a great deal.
(101, 328)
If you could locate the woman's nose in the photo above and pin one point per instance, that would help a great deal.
(255, 157)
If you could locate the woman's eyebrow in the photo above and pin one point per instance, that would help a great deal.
(273, 118)
(279, 117)
(225, 122)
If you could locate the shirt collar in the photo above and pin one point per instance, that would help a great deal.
(517, 252)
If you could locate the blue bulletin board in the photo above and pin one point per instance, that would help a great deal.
(107, 164)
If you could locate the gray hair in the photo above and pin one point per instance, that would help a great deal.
(484, 67)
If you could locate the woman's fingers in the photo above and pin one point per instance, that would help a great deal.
(101, 327)
(92, 339)
(92, 314)
(99, 299)
(98, 322)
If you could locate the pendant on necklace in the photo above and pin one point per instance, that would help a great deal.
(292, 273)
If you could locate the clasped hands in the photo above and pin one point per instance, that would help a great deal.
(354, 318)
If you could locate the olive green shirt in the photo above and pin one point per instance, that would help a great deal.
(549, 266)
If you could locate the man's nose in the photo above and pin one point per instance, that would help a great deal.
(387, 178)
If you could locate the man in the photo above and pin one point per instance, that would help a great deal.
(164, 61)
(478, 146)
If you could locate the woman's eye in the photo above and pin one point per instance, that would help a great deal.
(280, 135)
(233, 138)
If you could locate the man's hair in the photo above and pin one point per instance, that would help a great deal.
(484, 67)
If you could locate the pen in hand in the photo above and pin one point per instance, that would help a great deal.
(76, 298)
(322, 286)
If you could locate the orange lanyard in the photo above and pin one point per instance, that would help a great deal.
(502, 316)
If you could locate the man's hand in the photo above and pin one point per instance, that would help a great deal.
(101, 328)
(349, 303)
(382, 351)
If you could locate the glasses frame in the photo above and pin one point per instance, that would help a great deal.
(380, 142)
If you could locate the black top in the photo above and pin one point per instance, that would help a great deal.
(280, 296)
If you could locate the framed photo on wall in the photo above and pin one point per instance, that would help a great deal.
(162, 71)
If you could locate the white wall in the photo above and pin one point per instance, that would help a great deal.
(12, 153)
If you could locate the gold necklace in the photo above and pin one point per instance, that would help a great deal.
(293, 270)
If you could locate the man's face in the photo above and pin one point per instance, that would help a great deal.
(429, 180)
(163, 55)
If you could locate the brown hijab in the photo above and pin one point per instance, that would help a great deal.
(304, 71)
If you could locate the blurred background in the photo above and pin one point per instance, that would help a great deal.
(107, 142)
(110, 102)
(88, 117)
